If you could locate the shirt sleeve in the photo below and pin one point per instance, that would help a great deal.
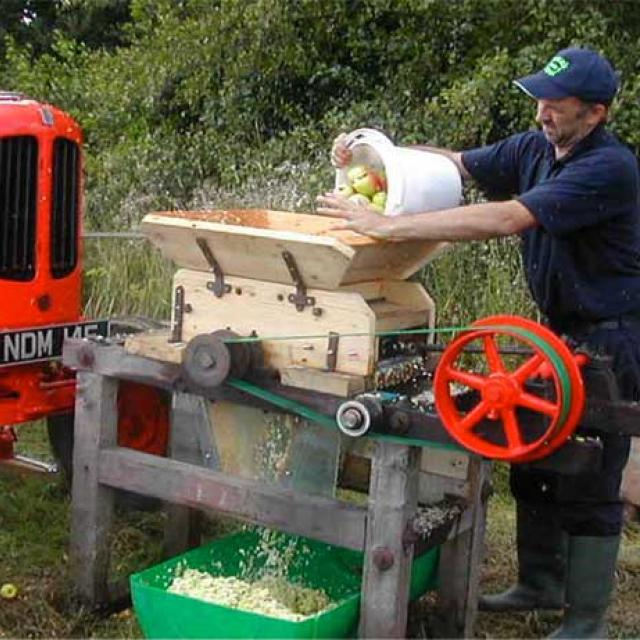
(495, 167)
(585, 193)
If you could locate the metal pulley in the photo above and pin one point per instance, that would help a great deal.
(211, 358)
(481, 409)
(355, 417)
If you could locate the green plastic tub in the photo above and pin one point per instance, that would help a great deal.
(313, 564)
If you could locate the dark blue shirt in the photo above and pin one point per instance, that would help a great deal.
(582, 260)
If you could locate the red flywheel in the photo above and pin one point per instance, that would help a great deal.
(523, 395)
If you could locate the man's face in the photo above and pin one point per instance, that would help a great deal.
(566, 120)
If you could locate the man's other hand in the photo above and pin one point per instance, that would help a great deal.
(341, 155)
(355, 217)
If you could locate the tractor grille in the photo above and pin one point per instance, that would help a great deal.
(65, 210)
(18, 193)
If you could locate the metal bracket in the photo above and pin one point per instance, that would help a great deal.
(178, 313)
(218, 287)
(332, 350)
(300, 297)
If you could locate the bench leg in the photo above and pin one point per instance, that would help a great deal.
(393, 498)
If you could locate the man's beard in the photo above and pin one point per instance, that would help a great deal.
(561, 139)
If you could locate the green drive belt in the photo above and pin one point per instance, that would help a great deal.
(320, 418)
(315, 416)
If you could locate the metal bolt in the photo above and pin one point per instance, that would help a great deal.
(205, 360)
(351, 418)
(383, 558)
(317, 311)
(86, 358)
(187, 308)
(399, 422)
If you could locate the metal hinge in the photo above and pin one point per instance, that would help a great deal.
(218, 286)
(300, 297)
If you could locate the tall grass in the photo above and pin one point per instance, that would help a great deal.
(125, 277)
(474, 280)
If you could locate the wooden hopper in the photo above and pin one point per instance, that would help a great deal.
(250, 244)
(279, 274)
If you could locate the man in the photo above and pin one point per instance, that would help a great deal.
(574, 200)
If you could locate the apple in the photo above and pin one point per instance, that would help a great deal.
(355, 173)
(360, 199)
(379, 200)
(344, 190)
(366, 184)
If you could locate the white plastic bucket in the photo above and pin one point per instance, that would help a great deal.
(416, 180)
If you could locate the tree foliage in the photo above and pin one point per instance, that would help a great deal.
(174, 95)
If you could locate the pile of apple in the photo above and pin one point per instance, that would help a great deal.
(366, 186)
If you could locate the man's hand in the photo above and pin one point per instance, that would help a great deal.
(341, 155)
(355, 217)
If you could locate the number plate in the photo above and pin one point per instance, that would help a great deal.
(45, 343)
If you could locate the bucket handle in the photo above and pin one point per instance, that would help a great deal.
(367, 136)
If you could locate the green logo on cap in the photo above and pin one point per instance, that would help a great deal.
(557, 65)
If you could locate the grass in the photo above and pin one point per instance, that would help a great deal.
(125, 277)
(499, 569)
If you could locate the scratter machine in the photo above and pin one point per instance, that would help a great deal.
(278, 311)
(40, 285)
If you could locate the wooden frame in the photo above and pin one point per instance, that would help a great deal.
(383, 529)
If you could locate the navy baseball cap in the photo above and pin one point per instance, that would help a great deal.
(582, 73)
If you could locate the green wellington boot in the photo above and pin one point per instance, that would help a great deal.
(542, 548)
(590, 581)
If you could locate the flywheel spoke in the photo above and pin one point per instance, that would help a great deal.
(474, 416)
(527, 369)
(529, 401)
(493, 355)
(511, 428)
(466, 378)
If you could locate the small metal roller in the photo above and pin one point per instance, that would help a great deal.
(355, 417)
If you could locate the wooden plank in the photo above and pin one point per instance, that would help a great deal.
(249, 243)
(92, 503)
(391, 260)
(387, 566)
(411, 295)
(155, 345)
(434, 488)
(397, 304)
(250, 252)
(264, 308)
(460, 559)
(111, 360)
(333, 382)
(392, 317)
(444, 462)
(321, 518)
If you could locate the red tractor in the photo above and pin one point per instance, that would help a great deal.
(40, 284)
